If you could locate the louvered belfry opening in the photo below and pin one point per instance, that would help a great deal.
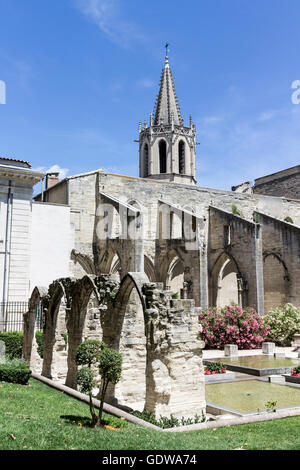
(146, 160)
(163, 156)
(181, 157)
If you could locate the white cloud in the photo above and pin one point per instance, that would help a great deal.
(146, 83)
(53, 169)
(212, 119)
(267, 115)
(107, 15)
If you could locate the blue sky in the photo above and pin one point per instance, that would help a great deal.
(80, 74)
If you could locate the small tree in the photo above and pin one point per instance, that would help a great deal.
(107, 361)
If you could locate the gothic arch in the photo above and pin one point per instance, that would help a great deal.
(116, 267)
(77, 316)
(56, 306)
(149, 269)
(224, 287)
(165, 262)
(36, 301)
(84, 261)
(108, 259)
(276, 281)
(129, 282)
(124, 331)
(175, 275)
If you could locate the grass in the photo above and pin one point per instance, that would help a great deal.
(37, 417)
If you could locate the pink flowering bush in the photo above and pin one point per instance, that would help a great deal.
(232, 325)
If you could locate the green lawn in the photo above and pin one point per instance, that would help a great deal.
(39, 417)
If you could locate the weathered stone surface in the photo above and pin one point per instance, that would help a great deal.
(156, 335)
(268, 348)
(230, 350)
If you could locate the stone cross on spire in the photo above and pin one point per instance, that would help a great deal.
(167, 107)
(167, 48)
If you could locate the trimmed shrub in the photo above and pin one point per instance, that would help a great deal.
(13, 343)
(15, 371)
(39, 337)
(109, 363)
(232, 325)
(284, 322)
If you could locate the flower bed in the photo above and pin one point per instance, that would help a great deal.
(214, 368)
(296, 372)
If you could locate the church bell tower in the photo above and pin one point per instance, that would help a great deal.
(167, 147)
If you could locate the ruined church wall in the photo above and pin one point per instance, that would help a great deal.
(282, 241)
(84, 201)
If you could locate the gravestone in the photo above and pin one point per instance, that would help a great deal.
(268, 348)
(230, 350)
(296, 342)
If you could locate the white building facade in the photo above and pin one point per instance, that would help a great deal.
(28, 233)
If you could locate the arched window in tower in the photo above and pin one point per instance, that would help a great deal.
(146, 160)
(181, 157)
(163, 156)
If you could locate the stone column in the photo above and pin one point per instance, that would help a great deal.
(202, 240)
(75, 339)
(174, 371)
(259, 270)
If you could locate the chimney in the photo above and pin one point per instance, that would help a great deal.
(51, 179)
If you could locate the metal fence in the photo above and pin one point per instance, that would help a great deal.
(12, 313)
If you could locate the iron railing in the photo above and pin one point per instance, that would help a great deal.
(12, 315)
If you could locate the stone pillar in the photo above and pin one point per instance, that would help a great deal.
(202, 239)
(268, 348)
(259, 271)
(75, 338)
(174, 371)
(230, 350)
(139, 255)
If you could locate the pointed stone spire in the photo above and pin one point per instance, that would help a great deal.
(167, 105)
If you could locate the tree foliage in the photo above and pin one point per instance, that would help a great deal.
(95, 355)
(284, 322)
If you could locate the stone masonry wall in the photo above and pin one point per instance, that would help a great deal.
(283, 184)
(282, 240)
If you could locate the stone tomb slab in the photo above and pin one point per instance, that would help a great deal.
(213, 378)
(260, 365)
(246, 397)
